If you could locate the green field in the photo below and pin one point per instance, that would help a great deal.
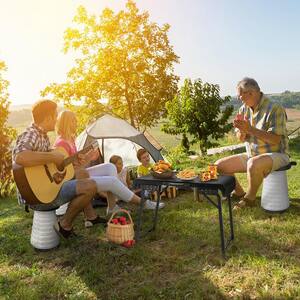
(181, 260)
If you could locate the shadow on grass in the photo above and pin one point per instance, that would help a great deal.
(171, 263)
(93, 268)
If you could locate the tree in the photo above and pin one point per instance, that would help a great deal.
(198, 111)
(124, 58)
(6, 135)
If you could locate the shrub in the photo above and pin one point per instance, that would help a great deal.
(6, 136)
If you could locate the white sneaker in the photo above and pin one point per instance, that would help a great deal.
(152, 205)
(113, 210)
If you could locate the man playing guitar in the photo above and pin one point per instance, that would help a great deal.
(33, 148)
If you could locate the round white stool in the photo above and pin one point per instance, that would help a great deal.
(275, 196)
(43, 235)
(62, 209)
(275, 192)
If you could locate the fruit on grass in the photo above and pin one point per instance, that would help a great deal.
(128, 243)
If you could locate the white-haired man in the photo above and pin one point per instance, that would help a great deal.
(262, 124)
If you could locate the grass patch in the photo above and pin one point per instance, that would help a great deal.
(181, 260)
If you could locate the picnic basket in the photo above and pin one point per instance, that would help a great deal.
(118, 233)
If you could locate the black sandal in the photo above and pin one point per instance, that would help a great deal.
(63, 232)
(97, 220)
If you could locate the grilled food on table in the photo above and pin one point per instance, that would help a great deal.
(162, 166)
(186, 174)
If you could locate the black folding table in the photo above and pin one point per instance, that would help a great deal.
(224, 185)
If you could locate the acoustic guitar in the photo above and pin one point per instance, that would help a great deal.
(41, 184)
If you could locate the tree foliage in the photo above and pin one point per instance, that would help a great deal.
(122, 57)
(6, 135)
(198, 111)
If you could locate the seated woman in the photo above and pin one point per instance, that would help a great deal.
(105, 175)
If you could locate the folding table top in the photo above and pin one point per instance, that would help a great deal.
(224, 183)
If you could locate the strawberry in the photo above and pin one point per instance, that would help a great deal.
(239, 117)
(115, 221)
(123, 223)
(126, 244)
(122, 219)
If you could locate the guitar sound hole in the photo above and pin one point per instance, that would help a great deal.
(60, 168)
(59, 177)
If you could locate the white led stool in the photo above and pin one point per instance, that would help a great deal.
(275, 196)
(43, 235)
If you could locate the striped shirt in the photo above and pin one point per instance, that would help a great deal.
(270, 117)
(33, 139)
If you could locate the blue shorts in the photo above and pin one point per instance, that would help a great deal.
(65, 195)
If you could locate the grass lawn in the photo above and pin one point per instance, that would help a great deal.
(181, 260)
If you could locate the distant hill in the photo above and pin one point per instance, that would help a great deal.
(20, 107)
(287, 99)
(19, 117)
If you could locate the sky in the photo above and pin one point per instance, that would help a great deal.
(219, 41)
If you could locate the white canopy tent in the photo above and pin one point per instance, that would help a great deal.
(117, 137)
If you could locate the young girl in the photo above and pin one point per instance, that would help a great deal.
(105, 175)
(124, 177)
(123, 174)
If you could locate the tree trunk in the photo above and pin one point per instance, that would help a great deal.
(203, 150)
(129, 106)
(200, 152)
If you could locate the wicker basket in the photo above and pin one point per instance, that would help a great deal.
(119, 233)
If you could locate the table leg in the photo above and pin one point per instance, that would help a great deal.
(230, 218)
(196, 194)
(140, 215)
(221, 224)
(156, 208)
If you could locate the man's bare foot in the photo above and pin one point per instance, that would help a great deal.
(244, 202)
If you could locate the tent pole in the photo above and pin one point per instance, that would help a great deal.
(103, 150)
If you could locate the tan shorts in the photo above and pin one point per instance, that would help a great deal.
(279, 159)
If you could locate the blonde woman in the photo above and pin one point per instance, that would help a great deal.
(105, 175)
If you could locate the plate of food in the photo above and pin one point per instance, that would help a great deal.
(162, 169)
(187, 174)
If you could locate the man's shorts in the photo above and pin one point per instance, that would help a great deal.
(279, 159)
(65, 195)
